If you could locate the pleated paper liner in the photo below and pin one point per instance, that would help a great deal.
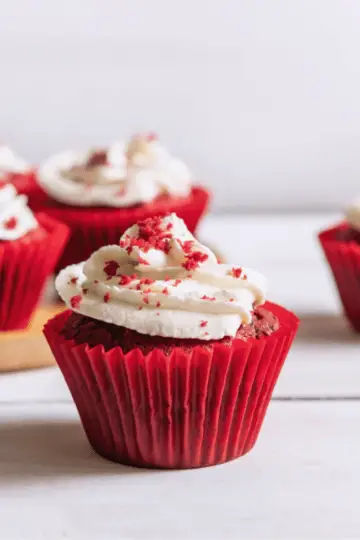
(25, 265)
(344, 260)
(198, 406)
(92, 228)
(27, 349)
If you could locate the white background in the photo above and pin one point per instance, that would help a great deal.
(261, 97)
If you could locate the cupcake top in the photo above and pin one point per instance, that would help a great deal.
(10, 162)
(161, 281)
(125, 174)
(16, 218)
(353, 215)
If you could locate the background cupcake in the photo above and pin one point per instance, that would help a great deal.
(341, 245)
(168, 356)
(100, 193)
(17, 171)
(30, 246)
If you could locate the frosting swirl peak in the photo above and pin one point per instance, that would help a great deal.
(161, 281)
(16, 218)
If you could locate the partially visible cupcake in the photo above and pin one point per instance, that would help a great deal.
(30, 246)
(170, 356)
(341, 245)
(100, 193)
(18, 172)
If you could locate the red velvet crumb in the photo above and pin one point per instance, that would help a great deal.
(75, 301)
(11, 223)
(110, 268)
(203, 324)
(106, 297)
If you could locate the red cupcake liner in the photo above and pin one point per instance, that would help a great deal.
(25, 265)
(343, 257)
(92, 228)
(195, 407)
(26, 184)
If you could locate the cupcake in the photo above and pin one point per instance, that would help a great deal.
(18, 172)
(100, 193)
(341, 245)
(30, 246)
(171, 357)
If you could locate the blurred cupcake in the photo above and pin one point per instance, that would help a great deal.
(18, 172)
(29, 249)
(101, 193)
(341, 245)
(171, 357)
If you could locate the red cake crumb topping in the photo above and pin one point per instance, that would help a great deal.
(152, 136)
(194, 259)
(125, 280)
(96, 281)
(146, 300)
(151, 235)
(73, 281)
(110, 268)
(147, 281)
(203, 324)
(140, 308)
(75, 301)
(187, 245)
(85, 290)
(158, 304)
(97, 158)
(11, 223)
(165, 291)
(212, 298)
(106, 297)
(236, 273)
(176, 282)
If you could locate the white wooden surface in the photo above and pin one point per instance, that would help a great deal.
(300, 482)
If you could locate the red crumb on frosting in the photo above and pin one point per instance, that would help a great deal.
(11, 223)
(158, 304)
(85, 290)
(110, 268)
(140, 308)
(236, 273)
(121, 192)
(97, 158)
(167, 278)
(96, 281)
(106, 297)
(165, 291)
(73, 280)
(146, 300)
(75, 301)
(176, 282)
(125, 280)
(203, 324)
(187, 245)
(151, 235)
(205, 297)
(142, 260)
(169, 226)
(146, 281)
(152, 136)
(194, 259)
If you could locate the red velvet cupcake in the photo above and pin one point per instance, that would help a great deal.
(18, 172)
(168, 355)
(30, 246)
(341, 245)
(101, 193)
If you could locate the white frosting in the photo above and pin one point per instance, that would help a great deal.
(16, 218)
(10, 162)
(207, 302)
(353, 215)
(135, 173)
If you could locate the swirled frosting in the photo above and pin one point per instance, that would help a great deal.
(161, 281)
(16, 218)
(353, 215)
(123, 175)
(10, 162)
